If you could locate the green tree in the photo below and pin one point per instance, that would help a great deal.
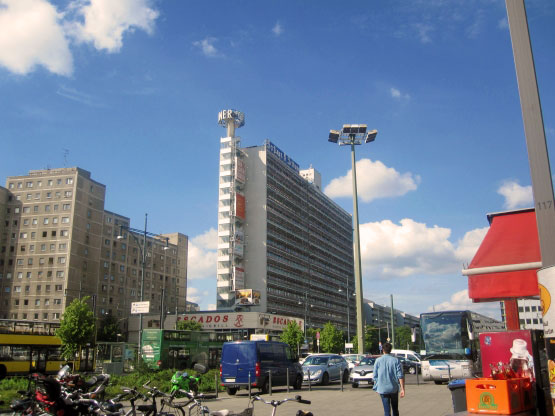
(403, 338)
(311, 337)
(371, 340)
(331, 339)
(108, 329)
(292, 335)
(76, 327)
(189, 326)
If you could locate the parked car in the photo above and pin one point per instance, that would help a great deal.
(363, 373)
(409, 366)
(353, 359)
(407, 354)
(256, 358)
(324, 368)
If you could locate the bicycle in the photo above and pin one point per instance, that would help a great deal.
(276, 403)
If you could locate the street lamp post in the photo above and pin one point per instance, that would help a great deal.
(143, 256)
(355, 134)
(348, 313)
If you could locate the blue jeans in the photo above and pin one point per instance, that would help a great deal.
(390, 401)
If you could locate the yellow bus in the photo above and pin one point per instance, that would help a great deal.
(27, 346)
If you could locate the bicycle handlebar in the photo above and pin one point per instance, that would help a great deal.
(276, 403)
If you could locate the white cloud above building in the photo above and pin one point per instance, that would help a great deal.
(374, 181)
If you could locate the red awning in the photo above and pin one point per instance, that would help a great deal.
(507, 259)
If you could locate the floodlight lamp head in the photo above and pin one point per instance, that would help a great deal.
(371, 136)
(334, 136)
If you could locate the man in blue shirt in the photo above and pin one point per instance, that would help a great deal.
(389, 381)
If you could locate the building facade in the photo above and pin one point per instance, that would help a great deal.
(58, 243)
(380, 316)
(280, 239)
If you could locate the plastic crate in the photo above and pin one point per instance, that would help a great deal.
(501, 397)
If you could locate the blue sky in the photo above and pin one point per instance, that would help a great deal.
(130, 90)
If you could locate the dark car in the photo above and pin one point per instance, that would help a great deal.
(245, 362)
(409, 366)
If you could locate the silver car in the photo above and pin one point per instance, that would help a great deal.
(324, 368)
(363, 373)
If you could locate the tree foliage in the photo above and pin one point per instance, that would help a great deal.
(108, 329)
(331, 339)
(76, 327)
(189, 326)
(292, 335)
(371, 340)
(403, 338)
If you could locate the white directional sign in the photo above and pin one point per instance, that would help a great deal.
(140, 307)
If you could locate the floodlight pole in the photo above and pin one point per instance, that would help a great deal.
(358, 274)
(355, 134)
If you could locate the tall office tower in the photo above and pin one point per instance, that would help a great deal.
(58, 243)
(280, 238)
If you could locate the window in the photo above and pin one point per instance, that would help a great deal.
(58, 288)
(35, 221)
(32, 248)
(49, 194)
(60, 273)
(22, 235)
(29, 184)
(57, 301)
(28, 197)
(11, 186)
(26, 221)
(47, 208)
(62, 246)
(65, 220)
(45, 316)
(43, 247)
(58, 181)
(39, 288)
(16, 210)
(56, 315)
(47, 301)
(61, 260)
(37, 302)
(66, 207)
(26, 210)
(69, 181)
(20, 275)
(17, 289)
(68, 194)
(50, 182)
(20, 262)
(64, 233)
(30, 261)
(29, 275)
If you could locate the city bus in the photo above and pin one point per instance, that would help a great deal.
(451, 344)
(27, 346)
(163, 348)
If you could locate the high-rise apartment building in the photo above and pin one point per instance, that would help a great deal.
(59, 243)
(280, 239)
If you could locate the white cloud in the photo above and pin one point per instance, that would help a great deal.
(423, 31)
(207, 47)
(34, 33)
(516, 196)
(503, 23)
(202, 256)
(277, 29)
(31, 35)
(461, 301)
(192, 294)
(395, 93)
(106, 22)
(412, 248)
(374, 181)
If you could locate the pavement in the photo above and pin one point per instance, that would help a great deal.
(423, 399)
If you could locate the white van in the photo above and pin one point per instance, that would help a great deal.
(407, 355)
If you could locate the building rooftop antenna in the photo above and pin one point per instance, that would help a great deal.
(66, 153)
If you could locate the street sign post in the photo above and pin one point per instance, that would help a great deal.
(140, 307)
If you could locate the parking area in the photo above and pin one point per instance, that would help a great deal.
(422, 399)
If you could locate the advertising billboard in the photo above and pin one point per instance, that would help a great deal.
(241, 320)
(240, 205)
(238, 278)
(240, 170)
(247, 297)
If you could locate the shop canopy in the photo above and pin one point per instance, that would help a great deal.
(506, 263)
